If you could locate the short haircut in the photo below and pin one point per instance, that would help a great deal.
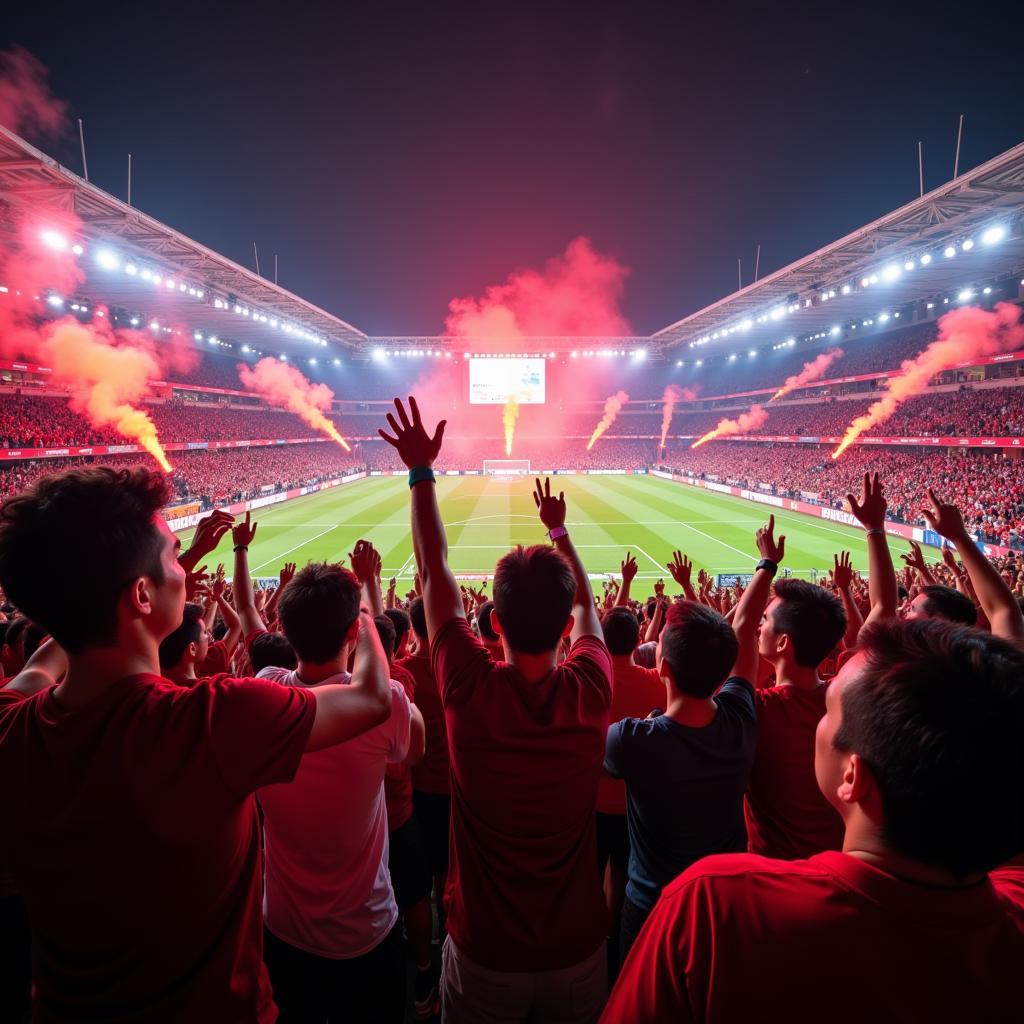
(271, 650)
(418, 618)
(386, 632)
(172, 648)
(700, 648)
(812, 618)
(937, 715)
(15, 628)
(483, 620)
(400, 620)
(948, 603)
(69, 587)
(32, 636)
(621, 631)
(534, 590)
(317, 609)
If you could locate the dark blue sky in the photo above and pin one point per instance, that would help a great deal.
(398, 155)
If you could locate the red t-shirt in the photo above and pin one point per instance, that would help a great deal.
(523, 891)
(398, 777)
(738, 937)
(636, 692)
(216, 661)
(430, 775)
(787, 815)
(134, 840)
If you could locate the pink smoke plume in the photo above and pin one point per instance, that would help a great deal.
(964, 334)
(576, 294)
(747, 421)
(26, 103)
(673, 393)
(107, 372)
(612, 405)
(284, 386)
(812, 371)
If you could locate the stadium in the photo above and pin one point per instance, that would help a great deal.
(532, 670)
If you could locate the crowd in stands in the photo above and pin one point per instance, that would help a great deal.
(625, 807)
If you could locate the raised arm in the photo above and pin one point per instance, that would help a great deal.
(227, 613)
(417, 737)
(915, 560)
(842, 577)
(628, 569)
(552, 514)
(284, 578)
(994, 596)
(680, 568)
(882, 589)
(366, 566)
(47, 666)
(206, 538)
(344, 711)
(657, 619)
(442, 599)
(746, 620)
(241, 586)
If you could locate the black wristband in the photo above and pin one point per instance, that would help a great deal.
(242, 547)
(767, 563)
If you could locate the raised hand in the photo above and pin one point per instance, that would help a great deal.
(945, 519)
(950, 559)
(680, 568)
(286, 574)
(195, 582)
(219, 583)
(870, 510)
(767, 545)
(365, 561)
(915, 558)
(208, 533)
(551, 510)
(659, 589)
(628, 568)
(414, 445)
(243, 533)
(842, 574)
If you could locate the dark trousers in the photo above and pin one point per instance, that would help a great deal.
(633, 918)
(310, 989)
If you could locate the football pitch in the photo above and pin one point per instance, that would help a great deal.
(485, 516)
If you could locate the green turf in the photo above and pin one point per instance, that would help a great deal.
(485, 516)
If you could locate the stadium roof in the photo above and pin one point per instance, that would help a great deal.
(897, 260)
(29, 178)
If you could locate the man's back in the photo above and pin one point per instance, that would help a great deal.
(523, 889)
(328, 890)
(787, 816)
(825, 938)
(149, 786)
(685, 787)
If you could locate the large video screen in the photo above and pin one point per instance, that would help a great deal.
(495, 381)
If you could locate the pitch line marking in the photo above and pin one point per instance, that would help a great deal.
(308, 540)
(707, 536)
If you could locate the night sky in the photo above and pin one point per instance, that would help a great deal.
(396, 156)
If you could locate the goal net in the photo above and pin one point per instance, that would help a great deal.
(506, 467)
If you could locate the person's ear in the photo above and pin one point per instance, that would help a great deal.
(857, 782)
(496, 623)
(353, 632)
(570, 622)
(193, 650)
(139, 595)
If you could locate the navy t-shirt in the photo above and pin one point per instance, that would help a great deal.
(684, 788)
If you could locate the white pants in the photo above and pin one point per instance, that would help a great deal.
(471, 994)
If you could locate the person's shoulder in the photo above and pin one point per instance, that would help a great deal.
(1008, 881)
(742, 871)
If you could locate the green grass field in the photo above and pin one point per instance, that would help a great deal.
(608, 515)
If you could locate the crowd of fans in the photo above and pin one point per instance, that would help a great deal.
(626, 806)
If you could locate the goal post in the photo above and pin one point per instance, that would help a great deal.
(506, 467)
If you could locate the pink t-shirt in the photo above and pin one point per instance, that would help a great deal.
(328, 890)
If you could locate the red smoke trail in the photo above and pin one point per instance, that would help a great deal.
(612, 405)
(673, 393)
(812, 371)
(748, 421)
(282, 385)
(107, 372)
(964, 334)
(27, 106)
(508, 417)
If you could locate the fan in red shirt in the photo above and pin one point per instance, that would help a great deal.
(915, 920)
(136, 847)
(526, 915)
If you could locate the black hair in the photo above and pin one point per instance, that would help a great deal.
(69, 587)
(483, 620)
(699, 647)
(172, 648)
(947, 603)
(621, 631)
(418, 618)
(937, 714)
(400, 620)
(272, 650)
(812, 618)
(386, 632)
(317, 609)
(534, 590)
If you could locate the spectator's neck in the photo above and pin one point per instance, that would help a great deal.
(800, 677)
(691, 711)
(92, 671)
(183, 675)
(622, 661)
(312, 673)
(533, 667)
